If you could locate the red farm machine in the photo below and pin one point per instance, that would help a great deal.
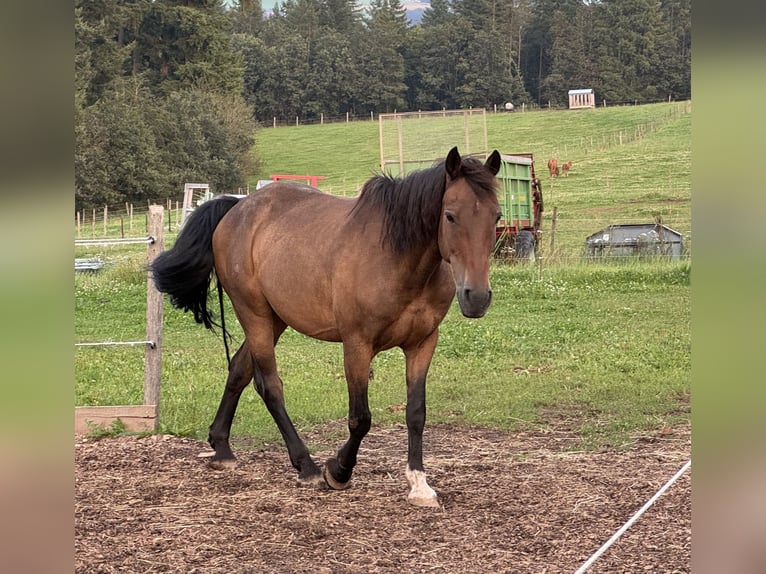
(416, 140)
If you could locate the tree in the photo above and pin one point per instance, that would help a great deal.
(116, 156)
(439, 12)
(626, 34)
(573, 54)
(247, 17)
(382, 84)
(157, 101)
(182, 46)
(331, 76)
(674, 47)
(536, 59)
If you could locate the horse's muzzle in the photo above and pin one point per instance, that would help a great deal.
(474, 302)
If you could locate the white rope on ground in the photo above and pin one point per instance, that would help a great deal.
(111, 343)
(118, 241)
(588, 563)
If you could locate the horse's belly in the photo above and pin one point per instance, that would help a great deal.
(302, 302)
(322, 330)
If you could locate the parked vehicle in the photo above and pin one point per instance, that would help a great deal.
(521, 199)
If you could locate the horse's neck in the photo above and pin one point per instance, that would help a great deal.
(421, 268)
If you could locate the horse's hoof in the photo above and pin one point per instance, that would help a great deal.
(420, 493)
(222, 464)
(424, 501)
(334, 484)
(316, 481)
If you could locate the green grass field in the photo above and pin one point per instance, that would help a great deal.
(605, 348)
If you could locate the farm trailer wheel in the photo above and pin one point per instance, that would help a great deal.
(525, 246)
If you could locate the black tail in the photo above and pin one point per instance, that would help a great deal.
(184, 272)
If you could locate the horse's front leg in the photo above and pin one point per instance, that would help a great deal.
(338, 469)
(418, 362)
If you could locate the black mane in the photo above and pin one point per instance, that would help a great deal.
(411, 206)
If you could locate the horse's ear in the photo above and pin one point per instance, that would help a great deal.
(453, 163)
(493, 162)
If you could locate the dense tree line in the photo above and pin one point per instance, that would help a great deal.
(168, 91)
(158, 100)
(327, 56)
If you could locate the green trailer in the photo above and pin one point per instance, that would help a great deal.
(521, 200)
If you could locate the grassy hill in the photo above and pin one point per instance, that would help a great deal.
(630, 164)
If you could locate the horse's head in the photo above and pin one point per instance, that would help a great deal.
(470, 212)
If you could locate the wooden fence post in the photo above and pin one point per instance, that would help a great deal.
(553, 230)
(153, 358)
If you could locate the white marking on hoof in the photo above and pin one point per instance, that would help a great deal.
(206, 454)
(227, 464)
(420, 493)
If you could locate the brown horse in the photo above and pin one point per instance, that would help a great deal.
(374, 272)
(553, 167)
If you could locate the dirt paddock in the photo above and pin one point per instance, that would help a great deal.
(520, 502)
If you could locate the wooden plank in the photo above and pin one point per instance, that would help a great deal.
(136, 418)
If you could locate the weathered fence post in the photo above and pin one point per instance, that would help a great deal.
(553, 229)
(153, 358)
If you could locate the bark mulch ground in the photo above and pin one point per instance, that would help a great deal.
(512, 502)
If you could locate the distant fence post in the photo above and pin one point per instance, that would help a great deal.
(553, 229)
(153, 359)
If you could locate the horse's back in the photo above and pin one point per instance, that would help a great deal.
(281, 244)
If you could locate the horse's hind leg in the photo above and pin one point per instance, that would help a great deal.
(262, 337)
(240, 374)
(269, 386)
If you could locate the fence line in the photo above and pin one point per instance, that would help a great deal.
(136, 417)
(112, 221)
(295, 120)
(152, 344)
(118, 241)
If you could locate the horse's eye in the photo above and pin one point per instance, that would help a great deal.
(450, 217)
(498, 218)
